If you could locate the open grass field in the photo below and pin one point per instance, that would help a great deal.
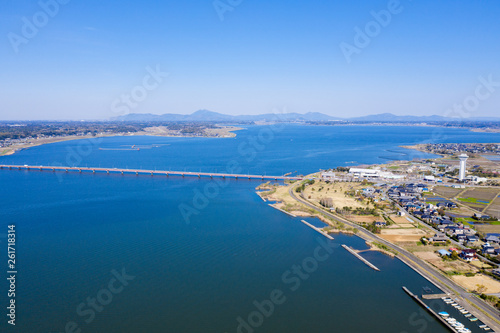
(447, 192)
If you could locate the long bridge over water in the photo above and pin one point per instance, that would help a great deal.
(144, 172)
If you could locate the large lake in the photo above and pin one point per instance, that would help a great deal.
(212, 268)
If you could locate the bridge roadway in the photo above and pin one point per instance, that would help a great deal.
(145, 172)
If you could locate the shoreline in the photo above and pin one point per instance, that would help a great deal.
(11, 150)
(481, 309)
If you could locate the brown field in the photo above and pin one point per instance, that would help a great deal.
(366, 218)
(487, 228)
(446, 266)
(399, 219)
(336, 191)
(492, 285)
(485, 194)
(494, 208)
(447, 192)
(402, 235)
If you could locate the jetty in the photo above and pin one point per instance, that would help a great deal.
(434, 296)
(317, 229)
(360, 257)
(137, 172)
(419, 301)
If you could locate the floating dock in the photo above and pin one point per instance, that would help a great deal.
(360, 257)
(419, 301)
(317, 229)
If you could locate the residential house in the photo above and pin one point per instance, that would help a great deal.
(468, 254)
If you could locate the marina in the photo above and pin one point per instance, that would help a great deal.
(443, 317)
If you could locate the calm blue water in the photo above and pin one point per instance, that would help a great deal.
(202, 270)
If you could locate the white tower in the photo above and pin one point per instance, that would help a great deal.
(463, 165)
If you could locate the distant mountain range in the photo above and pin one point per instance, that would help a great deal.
(210, 116)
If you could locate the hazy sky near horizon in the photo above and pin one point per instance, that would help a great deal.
(93, 59)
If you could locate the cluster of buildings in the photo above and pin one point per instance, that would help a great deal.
(455, 148)
(411, 199)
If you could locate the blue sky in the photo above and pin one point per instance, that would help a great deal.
(264, 56)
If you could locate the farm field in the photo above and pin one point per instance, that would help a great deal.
(494, 208)
(447, 192)
(484, 195)
(487, 228)
(478, 198)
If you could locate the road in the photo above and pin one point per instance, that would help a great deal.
(422, 267)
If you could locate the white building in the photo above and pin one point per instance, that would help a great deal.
(463, 166)
(373, 173)
(476, 179)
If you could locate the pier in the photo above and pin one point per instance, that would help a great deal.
(144, 172)
(434, 296)
(317, 229)
(360, 257)
(419, 301)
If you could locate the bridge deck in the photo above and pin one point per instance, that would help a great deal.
(142, 171)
